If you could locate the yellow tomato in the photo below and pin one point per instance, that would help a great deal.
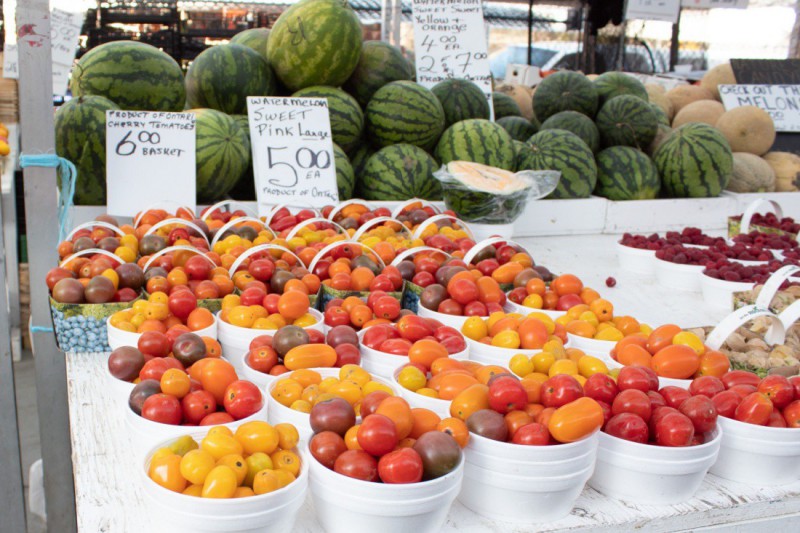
(412, 378)
(506, 339)
(542, 362)
(588, 366)
(196, 465)
(609, 334)
(521, 365)
(166, 471)
(534, 301)
(257, 436)
(354, 373)
(563, 366)
(236, 463)
(691, 340)
(475, 328)
(219, 445)
(221, 482)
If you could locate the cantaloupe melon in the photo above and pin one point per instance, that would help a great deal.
(683, 95)
(787, 170)
(661, 100)
(705, 111)
(661, 135)
(654, 88)
(751, 174)
(719, 75)
(748, 129)
(592, 77)
(521, 94)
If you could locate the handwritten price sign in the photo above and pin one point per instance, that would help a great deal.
(450, 42)
(149, 153)
(293, 159)
(664, 10)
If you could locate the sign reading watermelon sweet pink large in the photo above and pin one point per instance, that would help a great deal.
(293, 159)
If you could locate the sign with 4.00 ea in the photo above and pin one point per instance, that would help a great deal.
(293, 161)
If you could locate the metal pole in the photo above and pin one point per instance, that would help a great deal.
(41, 218)
(675, 45)
(397, 18)
(386, 20)
(530, 32)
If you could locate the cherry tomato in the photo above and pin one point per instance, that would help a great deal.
(708, 386)
(357, 464)
(674, 396)
(755, 408)
(262, 359)
(628, 426)
(532, 434)
(778, 389)
(507, 394)
(396, 346)
(560, 390)
(632, 401)
(576, 420)
(674, 429)
(197, 405)
(740, 377)
(377, 435)
(701, 411)
(175, 383)
(221, 482)
(791, 413)
(242, 399)
(181, 303)
(216, 419)
(776, 420)
(326, 447)
(601, 387)
(637, 377)
(162, 408)
(166, 471)
(387, 307)
(154, 343)
(726, 403)
(195, 466)
(656, 400)
(414, 328)
(400, 466)
(795, 381)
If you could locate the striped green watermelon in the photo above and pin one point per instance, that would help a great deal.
(695, 161)
(223, 76)
(479, 141)
(625, 173)
(565, 91)
(519, 128)
(245, 188)
(222, 153)
(345, 178)
(564, 151)
(611, 84)
(380, 63)
(400, 172)
(522, 153)
(404, 112)
(315, 42)
(255, 38)
(347, 119)
(133, 75)
(662, 117)
(577, 123)
(80, 126)
(504, 106)
(461, 100)
(627, 121)
(358, 160)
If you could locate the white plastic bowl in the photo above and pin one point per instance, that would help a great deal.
(512, 307)
(275, 512)
(120, 390)
(347, 505)
(719, 293)
(118, 338)
(649, 474)
(516, 483)
(758, 455)
(383, 364)
(636, 260)
(236, 340)
(438, 406)
(662, 381)
(597, 348)
(681, 277)
(493, 355)
(261, 379)
(279, 413)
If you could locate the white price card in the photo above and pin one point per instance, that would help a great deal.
(293, 162)
(782, 102)
(10, 68)
(663, 10)
(65, 31)
(714, 4)
(450, 42)
(149, 155)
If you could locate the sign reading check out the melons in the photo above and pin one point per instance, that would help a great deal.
(782, 102)
(293, 160)
(149, 155)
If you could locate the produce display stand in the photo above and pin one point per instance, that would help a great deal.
(109, 498)
(9, 205)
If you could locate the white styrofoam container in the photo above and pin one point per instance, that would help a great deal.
(247, 372)
(118, 337)
(493, 355)
(680, 277)
(647, 216)
(597, 348)
(719, 293)
(636, 260)
(484, 231)
(649, 474)
(562, 217)
(512, 307)
(789, 201)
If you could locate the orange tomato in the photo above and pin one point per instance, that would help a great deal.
(634, 355)
(489, 290)
(576, 420)
(474, 398)
(532, 334)
(532, 384)
(360, 315)
(544, 415)
(295, 285)
(536, 286)
(213, 348)
(398, 410)
(507, 272)
(661, 337)
(566, 284)
(589, 295)
(581, 328)
(550, 300)
(454, 383)
(533, 409)
(602, 309)
(456, 428)
(487, 372)
(508, 323)
(515, 420)
(310, 356)
(425, 352)
(293, 304)
(676, 361)
(199, 318)
(638, 340)
(425, 420)
(361, 278)
(445, 363)
(713, 363)
(627, 325)
(350, 302)
(215, 376)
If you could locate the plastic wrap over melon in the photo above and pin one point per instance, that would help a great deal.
(489, 195)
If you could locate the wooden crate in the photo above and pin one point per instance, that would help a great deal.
(9, 99)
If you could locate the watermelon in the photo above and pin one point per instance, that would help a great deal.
(404, 112)
(255, 38)
(522, 152)
(563, 151)
(628, 121)
(380, 63)
(400, 172)
(694, 161)
(245, 188)
(662, 117)
(133, 75)
(519, 128)
(80, 126)
(565, 91)
(625, 173)
(222, 153)
(611, 84)
(461, 100)
(347, 120)
(223, 76)
(505, 106)
(359, 156)
(315, 42)
(345, 178)
(479, 141)
(579, 124)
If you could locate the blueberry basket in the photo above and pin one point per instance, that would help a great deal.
(82, 327)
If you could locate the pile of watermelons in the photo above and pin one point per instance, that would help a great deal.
(390, 133)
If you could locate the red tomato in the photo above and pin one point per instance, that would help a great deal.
(451, 307)
(792, 414)
(701, 411)
(463, 290)
(414, 328)
(326, 447)
(261, 340)
(776, 420)
(740, 377)
(252, 296)
(658, 414)
(400, 466)
(197, 405)
(162, 408)
(743, 390)
(387, 307)
(795, 381)
(370, 402)
(396, 346)
(708, 386)
(476, 309)
(270, 303)
(262, 359)
(674, 396)
(423, 279)
(628, 426)
(181, 303)
(381, 283)
(560, 390)
(336, 316)
(601, 387)
(261, 269)
(632, 401)
(656, 400)
(778, 389)
(154, 343)
(674, 429)
(507, 394)
(376, 335)
(242, 399)
(532, 434)
(215, 419)
(155, 368)
(726, 403)
(347, 354)
(755, 408)
(357, 464)
(637, 377)
(606, 411)
(445, 332)
(377, 435)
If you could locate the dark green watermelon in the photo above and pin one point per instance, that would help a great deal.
(577, 123)
(522, 153)
(347, 119)
(662, 117)
(694, 161)
(625, 173)
(345, 178)
(380, 63)
(519, 128)
(479, 141)
(400, 172)
(223, 76)
(504, 106)
(627, 121)
(404, 112)
(565, 91)
(222, 154)
(255, 38)
(564, 151)
(245, 188)
(461, 100)
(611, 84)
